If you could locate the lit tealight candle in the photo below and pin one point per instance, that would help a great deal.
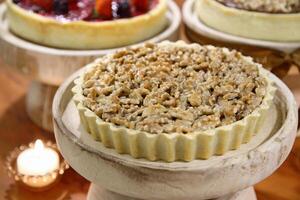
(38, 161)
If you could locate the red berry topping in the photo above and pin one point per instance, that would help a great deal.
(121, 9)
(103, 8)
(141, 5)
(80, 9)
(60, 7)
(45, 4)
(89, 10)
(73, 4)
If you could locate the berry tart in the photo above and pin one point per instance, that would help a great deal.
(173, 101)
(87, 24)
(272, 20)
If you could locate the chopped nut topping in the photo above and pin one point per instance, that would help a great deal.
(169, 88)
(270, 6)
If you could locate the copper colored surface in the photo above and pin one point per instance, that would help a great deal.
(16, 129)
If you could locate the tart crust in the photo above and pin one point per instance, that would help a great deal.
(86, 35)
(174, 146)
(249, 24)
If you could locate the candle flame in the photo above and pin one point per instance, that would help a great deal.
(38, 145)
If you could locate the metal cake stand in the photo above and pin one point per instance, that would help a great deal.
(228, 177)
(48, 67)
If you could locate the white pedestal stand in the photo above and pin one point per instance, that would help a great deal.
(122, 177)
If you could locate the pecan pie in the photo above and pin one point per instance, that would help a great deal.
(173, 101)
(275, 20)
(86, 24)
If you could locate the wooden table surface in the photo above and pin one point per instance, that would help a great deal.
(16, 129)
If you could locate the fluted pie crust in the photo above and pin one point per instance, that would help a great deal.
(84, 34)
(249, 24)
(172, 147)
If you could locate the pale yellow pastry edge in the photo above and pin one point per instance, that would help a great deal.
(175, 146)
(86, 35)
(249, 24)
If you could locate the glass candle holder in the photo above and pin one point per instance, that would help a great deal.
(35, 182)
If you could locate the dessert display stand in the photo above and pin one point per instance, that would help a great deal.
(276, 56)
(48, 67)
(228, 177)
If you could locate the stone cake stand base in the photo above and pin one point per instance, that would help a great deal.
(48, 67)
(121, 177)
(98, 193)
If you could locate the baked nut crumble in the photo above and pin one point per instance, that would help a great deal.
(271, 6)
(171, 88)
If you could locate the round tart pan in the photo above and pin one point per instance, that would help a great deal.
(191, 19)
(249, 24)
(174, 146)
(82, 35)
